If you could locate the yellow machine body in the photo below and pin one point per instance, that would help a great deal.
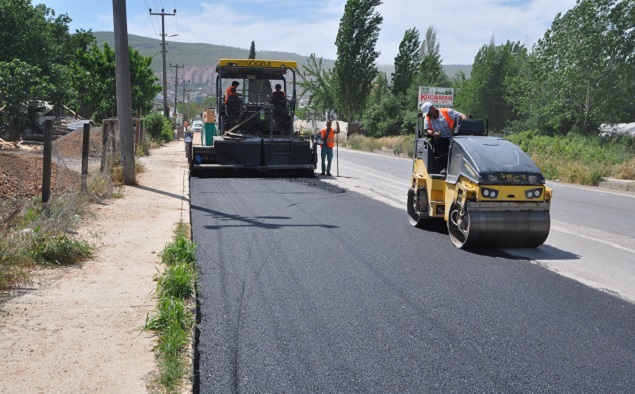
(492, 194)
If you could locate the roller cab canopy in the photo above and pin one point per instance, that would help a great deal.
(491, 160)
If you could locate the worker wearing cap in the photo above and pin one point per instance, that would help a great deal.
(231, 91)
(438, 124)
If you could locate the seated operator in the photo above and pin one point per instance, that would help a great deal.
(232, 100)
(278, 98)
(439, 125)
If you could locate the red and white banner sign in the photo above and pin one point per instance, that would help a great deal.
(439, 97)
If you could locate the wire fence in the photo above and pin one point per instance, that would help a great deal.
(36, 172)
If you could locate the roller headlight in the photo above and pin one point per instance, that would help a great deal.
(489, 193)
(533, 193)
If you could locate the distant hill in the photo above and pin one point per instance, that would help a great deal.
(207, 55)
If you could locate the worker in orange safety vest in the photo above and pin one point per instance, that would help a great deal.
(328, 136)
(438, 123)
(231, 91)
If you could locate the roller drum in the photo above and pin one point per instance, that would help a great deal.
(520, 229)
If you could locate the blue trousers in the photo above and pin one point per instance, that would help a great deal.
(327, 154)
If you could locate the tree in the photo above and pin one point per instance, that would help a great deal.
(355, 69)
(93, 76)
(391, 115)
(488, 92)
(431, 72)
(381, 88)
(406, 62)
(318, 83)
(32, 38)
(581, 71)
(252, 50)
(20, 89)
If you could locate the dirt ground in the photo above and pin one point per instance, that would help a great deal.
(80, 329)
(21, 165)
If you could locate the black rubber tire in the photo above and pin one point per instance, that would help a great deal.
(458, 238)
(416, 216)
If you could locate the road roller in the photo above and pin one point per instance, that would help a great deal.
(491, 194)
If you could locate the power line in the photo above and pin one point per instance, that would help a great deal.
(151, 20)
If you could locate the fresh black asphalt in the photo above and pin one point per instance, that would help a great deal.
(306, 288)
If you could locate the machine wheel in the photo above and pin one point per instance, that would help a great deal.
(459, 228)
(418, 207)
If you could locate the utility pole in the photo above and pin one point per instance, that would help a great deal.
(183, 99)
(124, 91)
(176, 85)
(166, 111)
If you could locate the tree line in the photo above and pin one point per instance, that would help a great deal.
(41, 61)
(580, 75)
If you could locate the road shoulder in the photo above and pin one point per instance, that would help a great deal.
(79, 329)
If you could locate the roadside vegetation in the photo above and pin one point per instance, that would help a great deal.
(36, 235)
(159, 128)
(174, 317)
(575, 158)
(552, 98)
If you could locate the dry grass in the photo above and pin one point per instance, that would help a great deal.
(624, 170)
(401, 145)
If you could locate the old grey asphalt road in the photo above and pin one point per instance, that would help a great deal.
(308, 288)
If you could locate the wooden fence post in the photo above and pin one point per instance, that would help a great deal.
(46, 161)
(137, 131)
(85, 156)
(104, 145)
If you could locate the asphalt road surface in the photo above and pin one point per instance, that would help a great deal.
(309, 288)
(592, 237)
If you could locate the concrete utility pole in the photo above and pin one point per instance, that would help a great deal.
(166, 111)
(124, 91)
(183, 99)
(176, 85)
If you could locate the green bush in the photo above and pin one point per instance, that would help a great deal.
(170, 311)
(576, 158)
(60, 249)
(177, 281)
(174, 315)
(181, 250)
(158, 127)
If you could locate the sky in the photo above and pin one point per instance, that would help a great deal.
(306, 26)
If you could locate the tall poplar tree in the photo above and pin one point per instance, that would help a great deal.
(431, 72)
(355, 69)
(406, 62)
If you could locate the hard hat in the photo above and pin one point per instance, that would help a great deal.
(425, 107)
